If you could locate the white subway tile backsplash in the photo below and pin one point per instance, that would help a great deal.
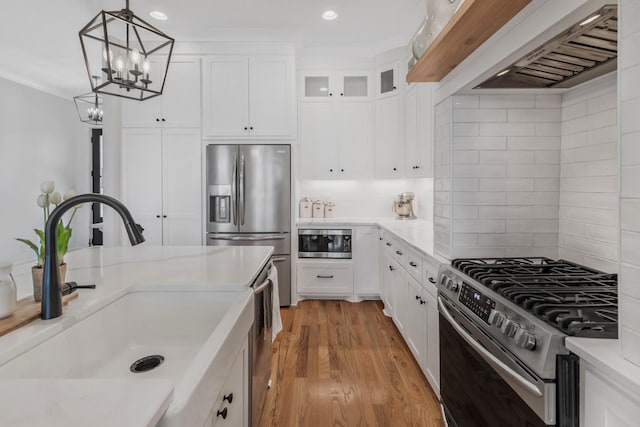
(506, 184)
(480, 143)
(630, 247)
(505, 240)
(589, 215)
(479, 226)
(629, 116)
(547, 129)
(507, 101)
(465, 101)
(532, 226)
(508, 129)
(545, 240)
(601, 233)
(629, 340)
(466, 129)
(477, 252)
(602, 264)
(603, 135)
(574, 111)
(590, 122)
(465, 184)
(574, 228)
(575, 140)
(545, 212)
(631, 56)
(607, 101)
(548, 101)
(589, 246)
(478, 198)
(533, 143)
(505, 212)
(533, 171)
(537, 115)
(480, 116)
(630, 180)
(506, 157)
(630, 149)
(465, 239)
(480, 171)
(548, 157)
(629, 88)
(629, 280)
(465, 157)
(590, 153)
(465, 212)
(595, 184)
(535, 198)
(630, 215)
(546, 184)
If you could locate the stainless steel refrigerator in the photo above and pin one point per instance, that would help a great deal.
(249, 202)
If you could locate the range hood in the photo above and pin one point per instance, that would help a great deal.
(586, 50)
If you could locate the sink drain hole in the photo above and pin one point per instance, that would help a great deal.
(147, 363)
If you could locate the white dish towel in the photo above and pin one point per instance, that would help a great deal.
(275, 303)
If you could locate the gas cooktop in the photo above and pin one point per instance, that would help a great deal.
(575, 299)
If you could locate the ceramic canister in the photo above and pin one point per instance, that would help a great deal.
(329, 210)
(318, 209)
(306, 206)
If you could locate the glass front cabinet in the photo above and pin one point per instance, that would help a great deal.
(328, 86)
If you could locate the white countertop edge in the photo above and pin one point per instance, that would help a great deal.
(605, 355)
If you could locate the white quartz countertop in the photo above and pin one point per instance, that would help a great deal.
(605, 355)
(417, 232)
(96, 402)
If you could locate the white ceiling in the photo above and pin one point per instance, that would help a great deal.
(40, 46)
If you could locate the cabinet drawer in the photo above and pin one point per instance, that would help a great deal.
(325, 278)
(430, 276)
(399, 252)
(414, 263)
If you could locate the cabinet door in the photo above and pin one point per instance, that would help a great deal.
(271, 97)
(417, 320)
(365, 259)
(354, 86)
(325, 278)
(317, 86)
(389, 138)
(387, 81)
(182, 181)
(432, 350)
(412, 153)
(233, 401)
(181, 97)
(318, 150)
(399, 290)
(225, 97)
(424, 136)
(387, 287)
(142, 179)
(354, 127)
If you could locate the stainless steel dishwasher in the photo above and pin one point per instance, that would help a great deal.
(260, 342)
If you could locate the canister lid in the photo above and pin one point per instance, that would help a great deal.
(306, 199)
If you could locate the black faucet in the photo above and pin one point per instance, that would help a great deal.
(51, 297)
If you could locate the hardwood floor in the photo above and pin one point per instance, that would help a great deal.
(345, 364)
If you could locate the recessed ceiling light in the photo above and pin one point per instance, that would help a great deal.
(502, 73)
(588, 20)
(329, 15)
(156, 14)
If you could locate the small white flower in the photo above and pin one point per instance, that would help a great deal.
(55, 198)
(69, 194)
(47, 187)
(43, 200)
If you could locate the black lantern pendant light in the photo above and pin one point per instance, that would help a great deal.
(89, 107)
(132, 55)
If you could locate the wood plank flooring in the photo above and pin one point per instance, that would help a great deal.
(345, 364)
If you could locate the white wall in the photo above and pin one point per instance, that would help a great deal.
(369, 198)
(588, 232)
(41, 138)
(629, 89)
(505, 177)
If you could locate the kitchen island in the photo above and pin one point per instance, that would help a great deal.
(51, 393)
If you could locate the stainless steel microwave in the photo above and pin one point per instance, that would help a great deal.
(324, 243)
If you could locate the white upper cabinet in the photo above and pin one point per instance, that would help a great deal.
(248, 97)
(178, 106)
(325, 86)
(389, 138)
(318, 148)
(387, 80)
(419, 131)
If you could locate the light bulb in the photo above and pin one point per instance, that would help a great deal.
(119, 64)
(135, 56)
(146, 66)
(107, 56)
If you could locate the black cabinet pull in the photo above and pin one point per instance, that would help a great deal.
(413, 264)
(330, 170)
(222, 413)
(324, 277)
(421, 301)
(399, 253)
(342, 94)
(388, 244)
(330, 94)
(395, 169)
(432, 280)
(417, 167)
(379, 238)
(157, 120)
(391, 268)
(417, 297)
(394, 88)
(228, 398)
(157, 216)
(250, 127)
(245, 128)
(163, 120)
(341, 170)
(164, 216)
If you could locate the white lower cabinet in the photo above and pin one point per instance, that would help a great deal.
(604, 404)
(431, 358)
(365, 261)
(387, 282)
(416, 337)
(399, 294)
(322, 278)
(231, 407)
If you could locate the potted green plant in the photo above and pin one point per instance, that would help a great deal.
(45, 200)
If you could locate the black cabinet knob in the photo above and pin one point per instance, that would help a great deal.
(413, 264)
(421, 302)
(245, 128)
(395, 169)
(163, 120)
(341, 170)
(399, 253)
(330, 94)
(391, 268)
(164, 216)
(222, 413)
(388, 244)
(417, 167)
(250, 127)
(157, 216)
(432, 280)
(394, 88)
(330, 170)
(228, 398)
(342, 94)
(417, 297)
(157, 120)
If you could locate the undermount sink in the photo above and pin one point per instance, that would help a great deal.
(191, 330)
(173, 325)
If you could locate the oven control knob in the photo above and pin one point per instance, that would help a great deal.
(496, 318)
(509, 327)
(451, 285)
(525, 339)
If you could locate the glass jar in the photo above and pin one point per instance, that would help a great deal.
(8, 291)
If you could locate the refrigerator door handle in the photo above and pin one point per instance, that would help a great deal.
(233, 190)
(247, 238)
(242, 189)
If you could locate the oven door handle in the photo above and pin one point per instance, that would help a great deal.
(486, 355)
(247, 238)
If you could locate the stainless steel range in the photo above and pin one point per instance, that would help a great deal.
(510, 317)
